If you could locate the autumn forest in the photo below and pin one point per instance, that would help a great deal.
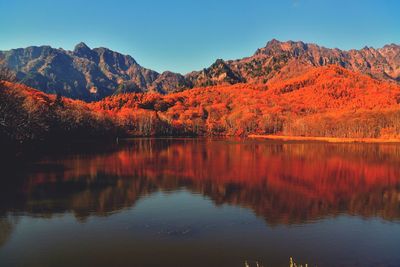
(200, 133)
(325, 101)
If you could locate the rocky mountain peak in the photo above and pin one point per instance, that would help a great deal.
(81, 46)
(273, 42)
(275, 47)
(83, 50)
(391, 48)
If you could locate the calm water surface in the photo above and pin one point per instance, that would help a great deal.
(202, 202)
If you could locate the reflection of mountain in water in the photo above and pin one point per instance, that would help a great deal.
(283, 183)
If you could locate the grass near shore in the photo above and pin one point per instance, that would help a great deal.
(327, 139)
(292, 263)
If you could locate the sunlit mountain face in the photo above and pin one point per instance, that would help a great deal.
(284, 183)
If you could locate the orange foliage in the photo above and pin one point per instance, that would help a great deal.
(324, 101)
(28, 115)
(247, 108)
(281, 182)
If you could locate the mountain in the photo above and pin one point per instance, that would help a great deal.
(283, 60)
(85, 73)
(318, 90)
(323, 101)
(291, 58)
(92, 74)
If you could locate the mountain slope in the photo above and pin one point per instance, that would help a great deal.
(341, 95)
(267, 62)
(92, 74)
(83, 73)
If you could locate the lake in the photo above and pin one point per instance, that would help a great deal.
(204, 202)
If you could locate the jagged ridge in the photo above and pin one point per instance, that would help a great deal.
(91, 74)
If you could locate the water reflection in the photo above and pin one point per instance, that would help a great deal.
(284, 183)
(6, 227)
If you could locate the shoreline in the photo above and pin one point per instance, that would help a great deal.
(325, 139)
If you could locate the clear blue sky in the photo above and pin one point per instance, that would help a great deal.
(184, 35)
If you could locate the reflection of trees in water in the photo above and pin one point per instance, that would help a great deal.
(7, 226)
(282, 183)
(84, 196)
